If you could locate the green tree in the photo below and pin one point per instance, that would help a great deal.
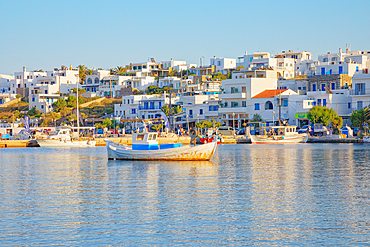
(59, 105)
(256, 118)
(34, 112)
(99, 126)
(325, 116)
(72, 101)
(18, 96)
(72, 117)
(359, 117)
(108, 123)
(52, 117)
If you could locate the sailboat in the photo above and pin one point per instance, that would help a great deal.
(63, 136)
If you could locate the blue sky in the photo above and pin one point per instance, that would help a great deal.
(106, 34)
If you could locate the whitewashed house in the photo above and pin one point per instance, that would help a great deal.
(223, 65)
(238, 92)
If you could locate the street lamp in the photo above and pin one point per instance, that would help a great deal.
(233, 123)
(187, 120)
(273, 118)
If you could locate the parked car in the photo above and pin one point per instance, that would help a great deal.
(304, 129)
(241, 132)
(356, 130)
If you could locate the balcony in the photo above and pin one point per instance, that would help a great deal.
(233, 96)
(232, 109)
(149, 108)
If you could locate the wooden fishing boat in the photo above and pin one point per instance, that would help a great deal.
(145, 147)
(279, 135)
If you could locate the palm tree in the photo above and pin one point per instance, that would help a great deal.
(82, 72)
(157, 127)
(120, 69)
(166, 110)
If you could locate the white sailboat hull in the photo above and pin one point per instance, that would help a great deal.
(298, 138)
(65, 143)
(203, 152)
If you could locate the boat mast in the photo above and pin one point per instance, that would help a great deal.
(78, 112)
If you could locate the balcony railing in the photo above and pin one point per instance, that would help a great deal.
(149, 108)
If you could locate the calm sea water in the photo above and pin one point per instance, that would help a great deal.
(268, 195)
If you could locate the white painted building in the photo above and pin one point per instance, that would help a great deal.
(348, 62)
(48, 87)
(284, 67)
(144, 68)
(5, 81)
(92, 82)
(303, 61)
(25, 80)
(266, 104)
(360, 91)
(238, 92)
(223, 65)
(172, 63)
(142, 106)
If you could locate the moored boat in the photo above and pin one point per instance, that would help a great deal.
(279, 135)
(145, 147)
(62, 138)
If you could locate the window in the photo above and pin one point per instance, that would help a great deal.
(218, 63)
(299, 88)
(340, 69)
(333, 59)
(244, 89)
(46, 91)
(333, 86)
(190, 112)
(322, 71)
(215, 108)
(319, 102)
(349, 105)
(268, 105)
(33, 99)
(200, 111)
(359, 105)
(285, 102)
(324, 102)
(244, 103)
(325, 59)
(133, 111)
(256, 106)
(313, 87)
(234, 104)
(304, 88)
(356, 68)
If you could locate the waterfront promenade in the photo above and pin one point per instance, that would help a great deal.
(185, 140)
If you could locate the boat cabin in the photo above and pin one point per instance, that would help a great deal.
(61, 134)
(148, 141)
(280, 130)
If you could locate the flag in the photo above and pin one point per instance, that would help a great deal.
(27, 124)
(165, 120)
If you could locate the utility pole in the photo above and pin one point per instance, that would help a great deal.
(280, 108)
(110, 84)
(24, 74)
(169, 113)
(60, 94)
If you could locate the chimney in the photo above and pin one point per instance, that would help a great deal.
(340, 50)
(245, 53)
(349, 47)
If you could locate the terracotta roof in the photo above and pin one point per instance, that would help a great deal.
(269, 93)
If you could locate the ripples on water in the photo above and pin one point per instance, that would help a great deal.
(264, 195)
